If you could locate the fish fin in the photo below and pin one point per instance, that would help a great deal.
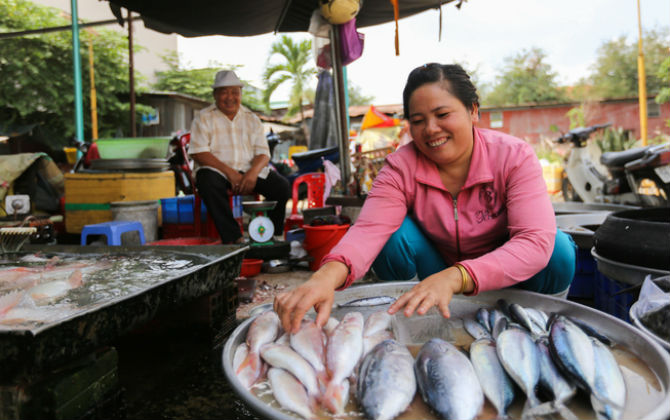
(9, 301)
(254, 364)
(334, 399)
(530, 407)
(565, 412)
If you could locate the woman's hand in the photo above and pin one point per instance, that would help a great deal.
(435, 290)
(317, 292)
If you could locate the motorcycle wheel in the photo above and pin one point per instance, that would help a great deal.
(569, 193)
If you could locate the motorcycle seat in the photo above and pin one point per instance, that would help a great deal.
(619, 159)
(313, 154)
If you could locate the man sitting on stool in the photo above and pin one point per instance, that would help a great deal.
(231, 155)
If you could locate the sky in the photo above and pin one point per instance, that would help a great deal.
(480, 36)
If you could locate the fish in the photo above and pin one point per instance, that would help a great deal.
(447, 381)
(330, 325)
(290, 393)
(495, 382)
(308, 342)
(370, 341)
(241, 352)
(368, 301)
(47, 292)
(520, 357)
(9, 301)
(263, 329)
(284, 339)
(501, 325)
(520, 315)
(386, 383)
(573, 352)
(475, 328)
(495, 317)
(377, 322)
(484, 318)
(284, 357)
(608, 402)
(344, 350)
(553, 384)
(539, 318)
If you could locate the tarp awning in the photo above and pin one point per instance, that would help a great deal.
(253, 17)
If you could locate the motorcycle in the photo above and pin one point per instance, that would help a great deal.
(619, 177)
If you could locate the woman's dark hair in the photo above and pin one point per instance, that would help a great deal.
(455, 80)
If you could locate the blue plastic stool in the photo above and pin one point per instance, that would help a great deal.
(112, 230)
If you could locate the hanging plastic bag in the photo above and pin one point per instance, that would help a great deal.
(332, 176)
(351, 42)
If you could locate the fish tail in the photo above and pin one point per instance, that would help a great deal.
(9, 301)
(250, 369)
(530, 408)
(334, 398)
(322, 379)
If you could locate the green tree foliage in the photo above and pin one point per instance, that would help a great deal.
(36, 82)
(526, 78)
(295, 67)
(198, 82)
(356, 96)
(663, 75)
(614, 74)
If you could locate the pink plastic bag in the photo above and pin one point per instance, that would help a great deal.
(351, 42)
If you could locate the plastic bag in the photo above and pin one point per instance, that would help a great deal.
(652, 297)
(332, 176)
(351, 42)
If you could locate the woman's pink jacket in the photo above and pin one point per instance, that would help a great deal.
(500, 226)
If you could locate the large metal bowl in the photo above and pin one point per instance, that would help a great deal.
(656, 358)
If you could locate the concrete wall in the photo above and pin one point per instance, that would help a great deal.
(155, 44)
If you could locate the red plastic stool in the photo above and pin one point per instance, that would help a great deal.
(316, 185)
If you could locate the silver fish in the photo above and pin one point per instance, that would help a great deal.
(263, 330)
(572, 350)
(609, 384)
(521, 316)
(483, 317)
(554, 384)
(475, 328)
(290, 393)
(447, 381)
(368, 301)
(519, 356)
(386, 383)
(344, 350)
(538, 317)
(496, 384)
(495, 317)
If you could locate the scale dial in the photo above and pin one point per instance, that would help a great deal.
(261, 229)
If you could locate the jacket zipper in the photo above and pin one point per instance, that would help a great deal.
(458, 245)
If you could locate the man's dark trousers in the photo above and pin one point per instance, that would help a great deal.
(214, 190)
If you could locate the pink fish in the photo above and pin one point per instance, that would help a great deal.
(263, 330)
(345, 346)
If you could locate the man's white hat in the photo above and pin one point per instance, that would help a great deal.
(226, 78)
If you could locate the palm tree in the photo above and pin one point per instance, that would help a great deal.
(295, 68)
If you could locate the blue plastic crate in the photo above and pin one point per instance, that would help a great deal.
(605, 300)
(583, 283)
(179, 210)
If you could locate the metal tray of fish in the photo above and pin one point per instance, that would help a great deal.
(119, 288)
(416, 330)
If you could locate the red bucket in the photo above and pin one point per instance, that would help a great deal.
(319, 240)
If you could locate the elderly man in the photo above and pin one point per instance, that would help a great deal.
(231, 155)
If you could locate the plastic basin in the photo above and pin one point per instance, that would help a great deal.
(251, 267)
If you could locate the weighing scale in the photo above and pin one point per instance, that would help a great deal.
(261, 229)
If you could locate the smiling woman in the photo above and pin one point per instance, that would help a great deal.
(464, 209)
